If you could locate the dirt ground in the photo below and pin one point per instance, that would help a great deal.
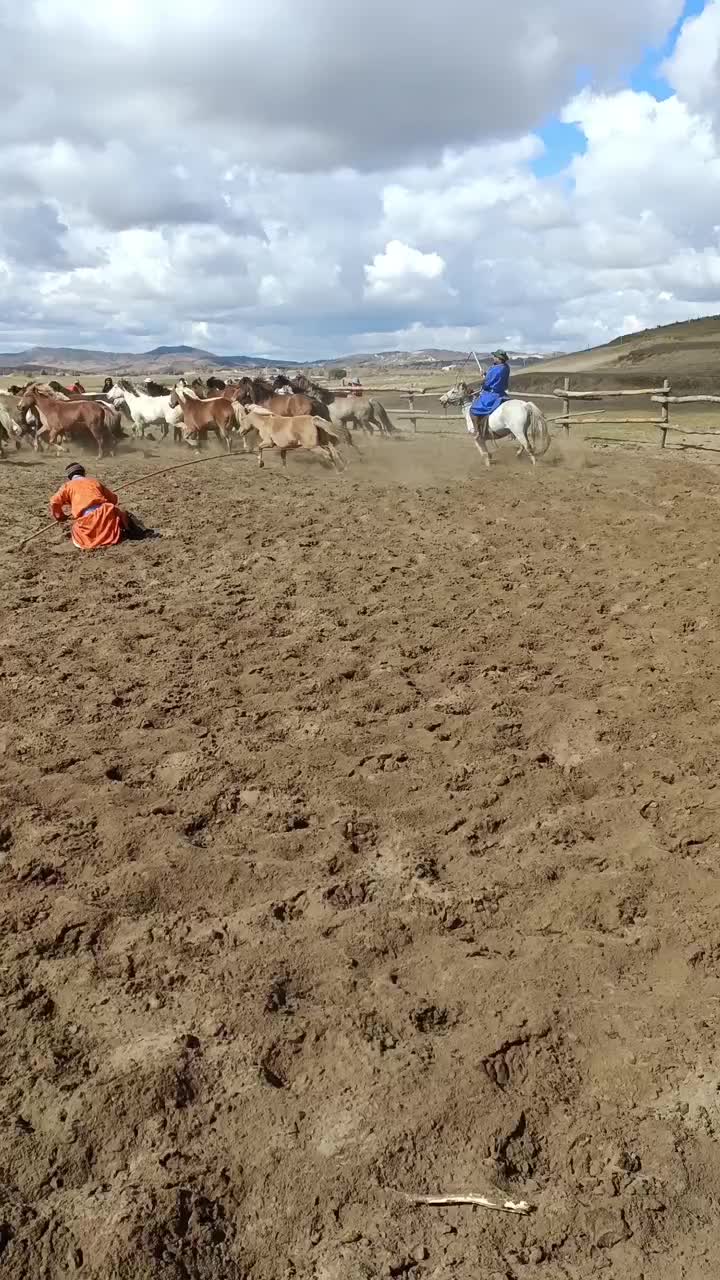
(359, 839)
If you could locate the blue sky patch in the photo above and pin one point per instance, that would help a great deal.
(564, 141)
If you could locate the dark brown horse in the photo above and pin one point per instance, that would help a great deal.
(258, 391)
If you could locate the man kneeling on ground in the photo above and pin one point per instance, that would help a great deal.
(97, 519)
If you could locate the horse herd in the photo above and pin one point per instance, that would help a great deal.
(49, 414)
(282, 414)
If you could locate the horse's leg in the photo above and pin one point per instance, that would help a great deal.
(260, 454)
(524, 444)
(283, 456)
(480, 445)
(335, 457)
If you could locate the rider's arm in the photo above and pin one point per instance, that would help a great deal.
(58, 502)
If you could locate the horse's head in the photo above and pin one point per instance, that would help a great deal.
(461, 393)
(27, 399)
(243, 392)
(261, 390)
(175, 399)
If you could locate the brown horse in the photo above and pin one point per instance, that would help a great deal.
(201, 416)
(258, 391)
(60, 418)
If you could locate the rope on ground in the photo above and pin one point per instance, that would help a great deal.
(163, 471)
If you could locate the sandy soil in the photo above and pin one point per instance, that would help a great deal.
(360, 838)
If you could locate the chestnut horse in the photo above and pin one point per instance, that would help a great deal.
(201, 416)
(69, 418)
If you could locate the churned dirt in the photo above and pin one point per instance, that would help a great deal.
(360, 839)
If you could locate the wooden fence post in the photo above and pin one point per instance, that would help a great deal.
(665, 414)
(411, 407)
(566, 407)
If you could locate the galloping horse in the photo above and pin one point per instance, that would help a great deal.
(257, 391)
(58, 418)
(520, 419)
(146, 411)
(201, 416)
(347, 409)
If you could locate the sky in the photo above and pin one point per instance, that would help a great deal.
(309, 178)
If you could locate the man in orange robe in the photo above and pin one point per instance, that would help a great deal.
(97, 518)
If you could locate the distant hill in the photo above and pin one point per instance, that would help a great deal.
(430, 357)
(175, 360)
(688, 353)
(178, 359)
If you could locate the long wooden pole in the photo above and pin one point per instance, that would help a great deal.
(664, 414)
(609, 395)
(686, 399)
(566, 406)
(411, 408)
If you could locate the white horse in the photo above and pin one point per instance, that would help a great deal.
(147, 411)
(520, 419)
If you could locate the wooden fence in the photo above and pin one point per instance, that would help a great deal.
(566, 396)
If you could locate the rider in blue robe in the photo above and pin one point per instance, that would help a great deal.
(494, 391)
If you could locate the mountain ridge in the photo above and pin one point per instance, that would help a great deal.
(180, 358)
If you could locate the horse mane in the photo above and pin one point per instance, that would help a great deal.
(303, 385)
(261, 388)
(47, 389)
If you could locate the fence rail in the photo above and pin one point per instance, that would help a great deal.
(566, 396)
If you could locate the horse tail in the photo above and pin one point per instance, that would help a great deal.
(319, 409)
(239, 414)
(538, 436)
(113, 423)
(325, 436)
(381, 414)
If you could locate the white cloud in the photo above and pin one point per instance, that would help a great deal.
(312, 84)
(694, 68)
(160, 185)
(402, 273)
